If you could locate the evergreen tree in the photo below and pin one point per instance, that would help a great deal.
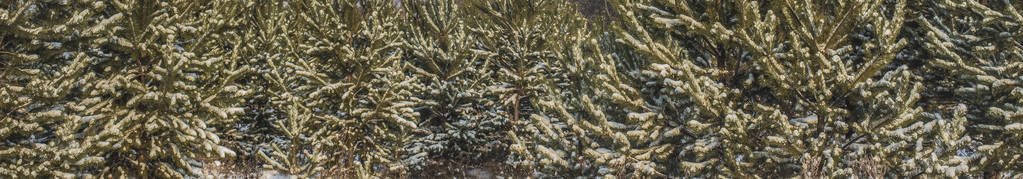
(977, 63)
(522, 47)
(776, 87)
(465, 122)
(400, 88)
(116, 88)
(347, 96)
(294, 145)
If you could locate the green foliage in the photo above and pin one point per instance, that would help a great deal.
(116, 88)
(978, 62)
(463, 119)
(386, 88)
(335, 76)
(777, 87)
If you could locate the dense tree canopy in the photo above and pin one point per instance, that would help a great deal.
(395, 88)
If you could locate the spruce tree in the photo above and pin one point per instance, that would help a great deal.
(347, 96)
(977, 59)
(782, 87)
(465, 123)
(116, 88)
(521, 47)
(293, 144)
(413, 88)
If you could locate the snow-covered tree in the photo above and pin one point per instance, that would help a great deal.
(346, 96)
(399, 88)
(123, 88)
(784, 87)
(976, 63)
(465, 122)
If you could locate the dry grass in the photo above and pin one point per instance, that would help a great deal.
(811, 167)
(238, 168)
(868, 167)
(457, 169)
(864, 167)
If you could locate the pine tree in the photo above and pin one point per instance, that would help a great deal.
(977, 59)
(117, 88)
(399, 88)
(777, 87)
(465, 122)
(348, 100)
(521, 46)
(294, 142)
(33, 133)
(595, 119)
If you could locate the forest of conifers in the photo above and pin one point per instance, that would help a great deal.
(515, 88)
